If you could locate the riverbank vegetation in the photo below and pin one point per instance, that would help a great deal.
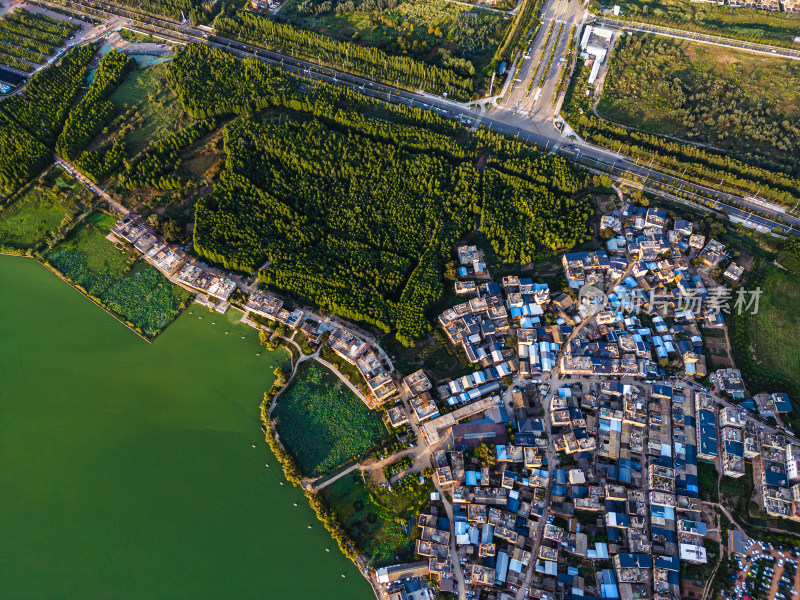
(133, 291)
(379, 521)
(139, 38)
(322, 423)
(728, 98)
(291, 470)
(749, 24)
(737, 173)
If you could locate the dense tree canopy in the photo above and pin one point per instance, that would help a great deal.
(212, 82)
(152, 168)
(366, 61)
(94, 110)
(30, 122)
(356, 206)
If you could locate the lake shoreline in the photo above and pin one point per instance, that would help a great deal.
(49, 322)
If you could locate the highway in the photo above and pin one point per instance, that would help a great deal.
(537, 128)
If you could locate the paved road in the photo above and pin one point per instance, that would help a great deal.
(458, 572)
(539, 535)
(62, 162)
(532, 93)
(538, 128)
(701, 38)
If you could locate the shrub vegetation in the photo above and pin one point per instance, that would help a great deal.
(322, 423)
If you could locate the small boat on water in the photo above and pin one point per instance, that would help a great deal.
(267, 465)
(295, 503)
(213, 322)
(254, 445)
(309, 526)
(343, 575)
(281, 483)
(327, 549)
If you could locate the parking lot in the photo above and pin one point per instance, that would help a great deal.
(767, 572)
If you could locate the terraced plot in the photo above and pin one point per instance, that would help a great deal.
(28, 39)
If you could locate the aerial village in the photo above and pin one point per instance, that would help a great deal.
(566, 463)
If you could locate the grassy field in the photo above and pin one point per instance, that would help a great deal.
(322, 422)
(38, 213)
(135, 291)
(775, 330)
(430, 30)
(705, 94)
(707, 479)
(158, 113)
(372, 517)
(741, 23)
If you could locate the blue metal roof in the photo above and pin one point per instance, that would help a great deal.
(735, 448)
(776, 479)
(708, 432)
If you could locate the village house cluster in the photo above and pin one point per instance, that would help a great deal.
(379, 380)
(214, 288)
(570, 454)
(789, 6)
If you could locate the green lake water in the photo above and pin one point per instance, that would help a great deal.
(127, 469)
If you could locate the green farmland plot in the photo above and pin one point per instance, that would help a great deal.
(775, 331)
(134, 291)
(322, 422)
(41, 211)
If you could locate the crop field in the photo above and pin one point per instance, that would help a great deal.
(775, 331)
(27, 39)
(705, 94)
(38, 213)
(742, 23)
(158, 111)
(135, 291)
(430, 30)
(323, 423)
(372, 518)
